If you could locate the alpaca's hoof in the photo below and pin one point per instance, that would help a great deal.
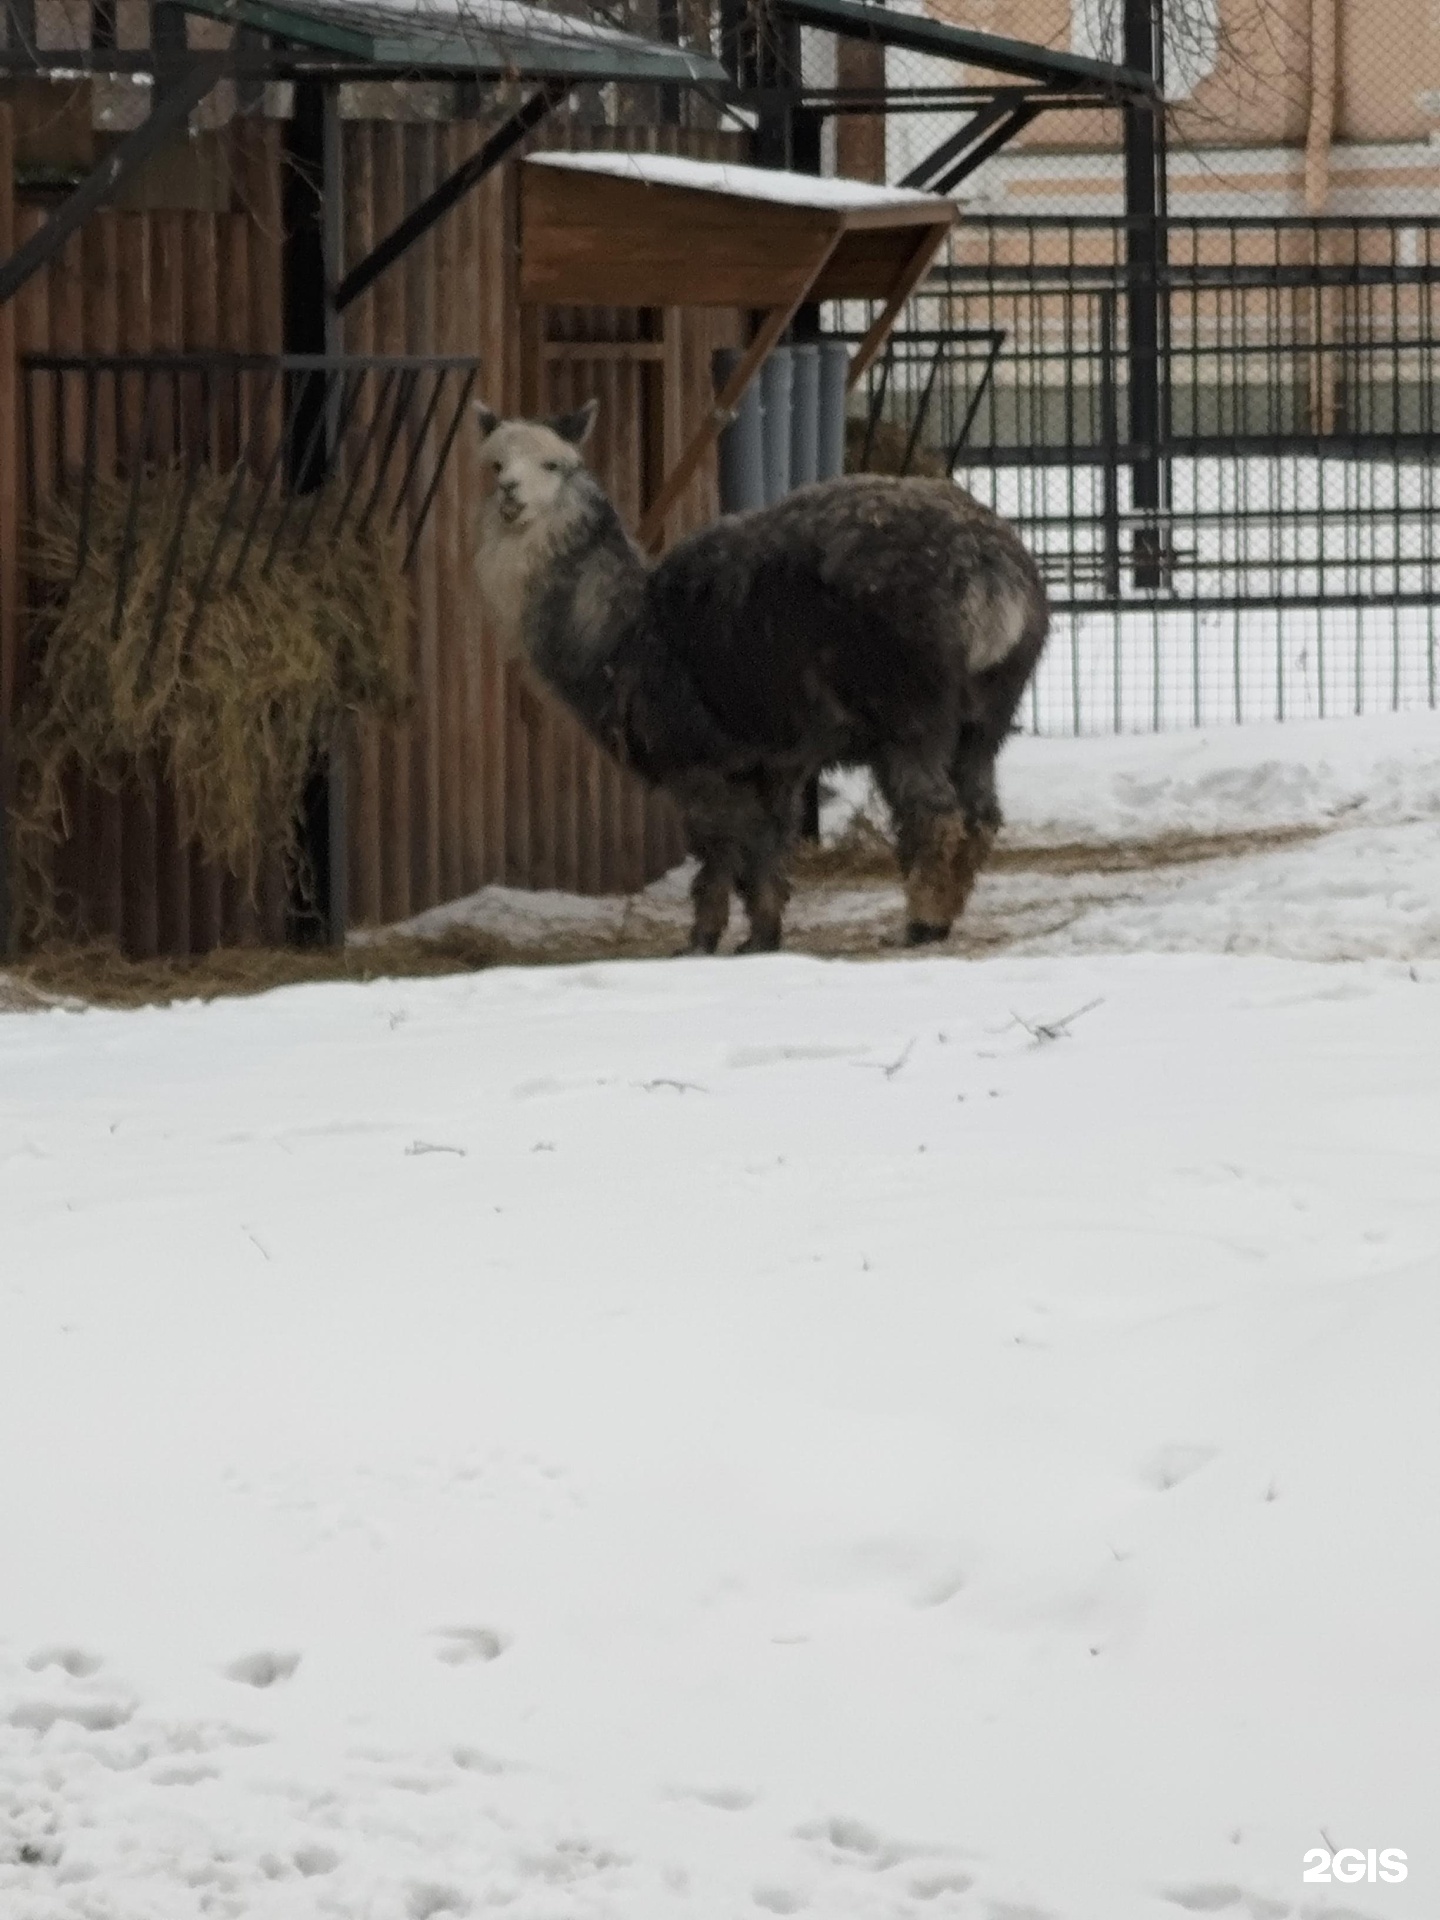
(701, 943)
(760, 943)
(921, 933)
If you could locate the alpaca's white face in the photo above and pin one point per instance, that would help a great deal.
(528, 464)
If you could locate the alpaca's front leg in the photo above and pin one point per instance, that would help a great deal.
(709, 833)
(771, 830)
(765, 895)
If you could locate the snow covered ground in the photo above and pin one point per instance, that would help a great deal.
(1367, 887)
(949, 1438)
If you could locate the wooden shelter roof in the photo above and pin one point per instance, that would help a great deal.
(654, 230)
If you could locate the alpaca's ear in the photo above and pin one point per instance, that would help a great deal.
(575, 427)
(485, 419)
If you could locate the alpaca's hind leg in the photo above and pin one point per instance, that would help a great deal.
(972, 771)
(715, 835)
(764, 880)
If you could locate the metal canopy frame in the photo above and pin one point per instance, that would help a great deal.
(171, 101)
(332, 43)
(451, 189)
(407, 40)
(1053, 79)
(376, 40)
(1022, 59)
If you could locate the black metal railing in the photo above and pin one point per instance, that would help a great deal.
(310, 447)
(1292, 562)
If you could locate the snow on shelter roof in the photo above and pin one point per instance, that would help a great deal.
(654, 230)
(746, 183)
(474, 37)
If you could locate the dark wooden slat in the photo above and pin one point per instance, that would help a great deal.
(440, 199)
(366, 887)
(390, 336)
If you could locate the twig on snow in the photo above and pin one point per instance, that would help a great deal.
(1040, 1031)
(891, 1067)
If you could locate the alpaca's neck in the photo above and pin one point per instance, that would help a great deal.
(579, 620)
(568, 591)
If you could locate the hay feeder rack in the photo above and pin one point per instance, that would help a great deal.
(313, 445)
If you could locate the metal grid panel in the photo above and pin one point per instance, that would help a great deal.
(1292, 567)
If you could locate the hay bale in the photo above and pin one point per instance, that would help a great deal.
(233, 716)
(887, 451)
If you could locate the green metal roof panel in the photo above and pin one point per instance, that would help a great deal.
(503, 38)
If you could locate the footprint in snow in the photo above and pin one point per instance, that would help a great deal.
(861, 1843)
(1168, 1466)
(779, 1899)
(428, 1900)
(1207, 1899)
(727, 1799)
(96, 1716)
(464, 1646)
(315, 1860)
(182, 1773)
(930, 1886)
(266, 1668)
(78, 1662)
(936, 1593)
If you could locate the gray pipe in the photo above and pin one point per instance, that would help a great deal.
(742, 443)
(804, 413)
(775, 388)
(834, 365)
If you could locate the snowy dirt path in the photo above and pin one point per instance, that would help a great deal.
(1171, 843)
(725, 1439)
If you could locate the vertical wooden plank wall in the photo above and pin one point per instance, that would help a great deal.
(136, 282)
(490, 779)
(487, 779)
(9, 516)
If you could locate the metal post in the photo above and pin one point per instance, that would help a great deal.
(777, 77)
(1144, 256)
(667, 24)
(1109, 436)
(8, 928)
(332, 242)
(311, 205)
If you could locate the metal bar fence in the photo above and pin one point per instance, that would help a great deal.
(180, 414)
(1292, 568)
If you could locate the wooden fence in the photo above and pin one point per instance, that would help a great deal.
(487, 779)
(141, 282)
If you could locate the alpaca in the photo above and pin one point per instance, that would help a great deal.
(875, 622)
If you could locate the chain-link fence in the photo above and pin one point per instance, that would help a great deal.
(1287, 560)
(1259, 537)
